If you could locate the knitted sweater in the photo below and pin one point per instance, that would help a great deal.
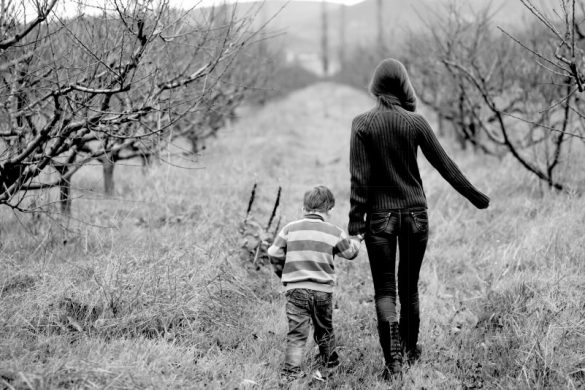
(383, 149)
(383, 166)
(304, 250)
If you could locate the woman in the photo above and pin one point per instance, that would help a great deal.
(388, 204)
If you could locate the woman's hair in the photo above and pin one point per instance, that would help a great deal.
(387, 100)
(319, 198)
(391, 86)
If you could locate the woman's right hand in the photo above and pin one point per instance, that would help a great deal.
(482, 202)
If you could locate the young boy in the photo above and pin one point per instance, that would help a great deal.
(302, 256)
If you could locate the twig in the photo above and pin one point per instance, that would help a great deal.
(276, 203)
(251, 201)
(543, 126)
(531, 50)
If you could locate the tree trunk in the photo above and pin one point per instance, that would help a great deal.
(441, 125)
(342, 37)
(460, 138)
(472, 133)
(146, 162)
(194, 144)
(324, 39)
(108, 165)
(460, 133)
(65, 196)
(380, 26)
(263, 49)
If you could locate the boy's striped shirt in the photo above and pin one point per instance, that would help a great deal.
(306, 248)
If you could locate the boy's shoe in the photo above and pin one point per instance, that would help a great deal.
(316, 375)
(287, 376)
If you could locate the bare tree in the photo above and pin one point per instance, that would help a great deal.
(436, 88)
(225, 89)
(499, 94)
(565, 57)
(101, 87)
(445, 91)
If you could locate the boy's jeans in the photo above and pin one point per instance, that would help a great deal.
(302, 307)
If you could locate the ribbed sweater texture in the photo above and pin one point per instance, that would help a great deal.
(383, 165)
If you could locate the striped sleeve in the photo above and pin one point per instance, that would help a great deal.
(346, 247)
(277, 251)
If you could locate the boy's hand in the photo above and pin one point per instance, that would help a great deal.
(277, 266)
(356, 241)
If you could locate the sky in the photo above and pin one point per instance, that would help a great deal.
(71, 7)
(212, 2)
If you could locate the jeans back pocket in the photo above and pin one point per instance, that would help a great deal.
(421, 220)
(378, 223)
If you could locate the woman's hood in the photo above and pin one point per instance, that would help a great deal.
(390, 82)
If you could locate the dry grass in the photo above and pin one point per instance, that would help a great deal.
(158, 298)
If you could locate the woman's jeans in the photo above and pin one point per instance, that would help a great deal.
(409, 229)
(303, 307)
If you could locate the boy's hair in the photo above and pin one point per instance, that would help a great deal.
(319, 199)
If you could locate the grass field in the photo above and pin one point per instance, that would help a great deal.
(147, 289)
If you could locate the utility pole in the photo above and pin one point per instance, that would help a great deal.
(379, 10)
(324, 40)
(263, 35)
(342, 39)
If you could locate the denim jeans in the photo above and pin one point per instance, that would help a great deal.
(302, 307)
(385, 229)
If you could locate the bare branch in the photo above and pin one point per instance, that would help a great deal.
(43, 12)
(539, 55)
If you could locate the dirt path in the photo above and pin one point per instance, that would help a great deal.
(297, 142)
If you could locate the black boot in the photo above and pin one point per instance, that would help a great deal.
(409, 337)
(392, 349)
